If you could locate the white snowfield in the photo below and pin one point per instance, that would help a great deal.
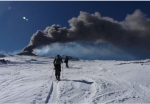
(31, 80)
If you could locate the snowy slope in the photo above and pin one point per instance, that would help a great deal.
(31, 80)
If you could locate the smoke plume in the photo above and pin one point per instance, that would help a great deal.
(85, 50)
(133, 32)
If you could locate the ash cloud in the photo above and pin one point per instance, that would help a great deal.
(133, 32)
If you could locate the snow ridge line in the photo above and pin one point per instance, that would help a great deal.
(50, 92)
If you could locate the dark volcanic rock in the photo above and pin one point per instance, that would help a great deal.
(27, 53)
(70, 58)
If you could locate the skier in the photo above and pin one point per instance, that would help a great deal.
(66, 61)
(57, 63)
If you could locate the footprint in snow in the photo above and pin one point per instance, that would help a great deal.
(39, 98)
(39, 95)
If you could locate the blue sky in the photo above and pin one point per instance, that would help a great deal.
(15, 32)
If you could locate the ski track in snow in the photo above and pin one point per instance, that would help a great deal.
(33, 82)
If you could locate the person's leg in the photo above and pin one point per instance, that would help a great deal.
(56, 70)
(67, 65)
(58, 75)
(59, 72)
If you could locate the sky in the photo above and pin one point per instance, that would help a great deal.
(90, 29)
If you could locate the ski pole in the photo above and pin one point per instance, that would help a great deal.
(62, 71)
(52, 73)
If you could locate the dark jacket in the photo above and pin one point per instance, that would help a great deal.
(66, 59)
(57, 60)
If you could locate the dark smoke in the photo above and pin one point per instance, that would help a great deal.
(133, 32)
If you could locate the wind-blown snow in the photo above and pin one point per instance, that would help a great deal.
(31, 80)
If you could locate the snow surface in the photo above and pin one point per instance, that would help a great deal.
(31, 80)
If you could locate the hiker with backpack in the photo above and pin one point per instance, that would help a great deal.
(57, 64)
(66, 61)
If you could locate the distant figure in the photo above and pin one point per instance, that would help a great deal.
(66, 61)
(57, 63)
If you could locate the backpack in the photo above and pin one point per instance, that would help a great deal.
(58, 60)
